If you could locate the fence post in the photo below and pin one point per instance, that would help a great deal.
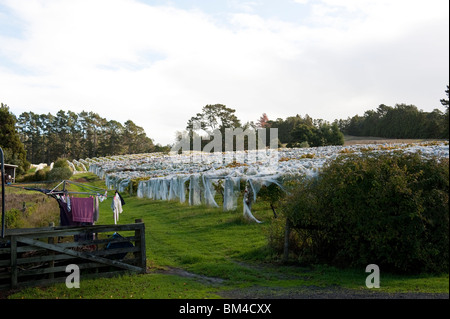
(2, 177)
(287, 232)
(51, 240)
(141, 254)
(13, 262)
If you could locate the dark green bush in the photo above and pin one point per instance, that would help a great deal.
(60, 171)
(60, 163)
(41, 175)
(13, 218)
(386, 209)
(59, 174)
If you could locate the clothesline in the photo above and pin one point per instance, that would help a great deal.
(88, 189)
(79, 211)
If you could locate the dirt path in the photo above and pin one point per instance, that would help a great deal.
(312, 292)
(303, 292)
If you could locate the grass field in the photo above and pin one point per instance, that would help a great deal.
(198, 252)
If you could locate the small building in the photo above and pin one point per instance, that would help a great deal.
(10, 173)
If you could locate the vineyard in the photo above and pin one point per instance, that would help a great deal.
(197, 177)
(185, 236)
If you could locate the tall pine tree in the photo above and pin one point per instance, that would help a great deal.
(10, 142)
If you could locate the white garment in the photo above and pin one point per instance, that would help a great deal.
(116, 206)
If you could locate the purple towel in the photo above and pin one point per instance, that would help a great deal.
(82, 209)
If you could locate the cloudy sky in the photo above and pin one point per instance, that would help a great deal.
(158, 62)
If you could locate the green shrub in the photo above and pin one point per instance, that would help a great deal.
(14, 219)
(41, 175)
(385, 209)
(59, 173)
(61, 163)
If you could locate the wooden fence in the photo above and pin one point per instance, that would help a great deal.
(39, 256)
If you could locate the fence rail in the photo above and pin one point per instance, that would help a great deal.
(39, 256)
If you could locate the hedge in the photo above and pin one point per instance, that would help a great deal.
(377, 208)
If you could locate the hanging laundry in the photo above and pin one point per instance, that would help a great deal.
(65, 216)
(82, 209)
(116, 206)
(66, 198)
(121, 199)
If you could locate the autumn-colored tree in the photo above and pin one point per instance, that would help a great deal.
(263, 121)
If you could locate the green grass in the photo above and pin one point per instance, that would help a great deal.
(151, 286)
(212, 243)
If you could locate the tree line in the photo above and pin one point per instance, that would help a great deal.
(43, 138)
(294, 131)
(298, 131)
(79, 135)
(400, 121)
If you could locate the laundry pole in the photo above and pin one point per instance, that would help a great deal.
(2, 160)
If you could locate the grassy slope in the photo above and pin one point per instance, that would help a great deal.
(350, 140)
(213, 243)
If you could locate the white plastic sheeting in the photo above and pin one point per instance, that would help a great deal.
(209, 191)
(231, 192)
(202, 189)
(195, 190)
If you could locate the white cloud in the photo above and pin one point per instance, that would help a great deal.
(245, 6)
(158, 66)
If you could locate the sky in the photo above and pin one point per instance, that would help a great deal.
(159, 62)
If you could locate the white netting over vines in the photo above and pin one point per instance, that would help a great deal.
(197, 177)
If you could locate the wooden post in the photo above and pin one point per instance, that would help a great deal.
(141, 254)
(13, 262)
(2, 178)
(51, 263)
(287, 232)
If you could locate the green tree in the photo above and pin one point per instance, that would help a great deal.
(212, 117)
(76, 136)
(303, 133)
(272, 194)
(401, 121)
(111, 144)
(332, 134)
(10, 141)
(445, 102)
(286, 127)
(319, 133)
(73, 136)
(445, 118)
(29, 127)
(92, 129)
(135, 140)
(216, 116)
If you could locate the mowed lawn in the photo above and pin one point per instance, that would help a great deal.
(221, 251)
